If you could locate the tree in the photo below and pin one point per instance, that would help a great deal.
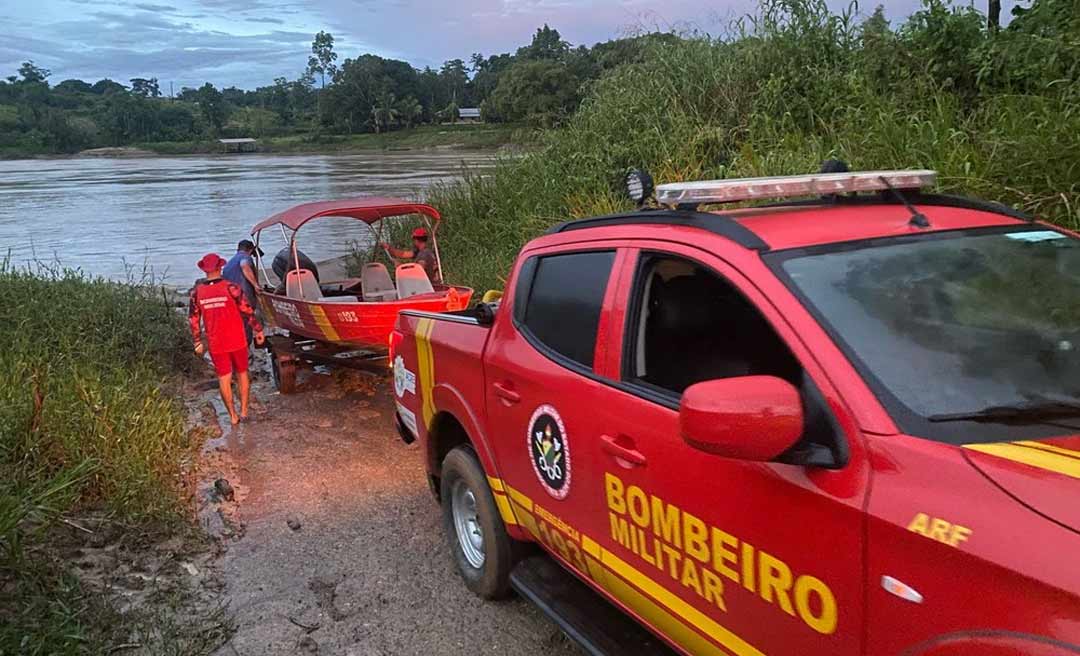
(453, 78)
(322, 59)
(106, 86)
(547, 43)
(410, 111)
(993, 15)
(74, 86)
(147, 88)
(384, 114)
(211, 106)
(32, 73)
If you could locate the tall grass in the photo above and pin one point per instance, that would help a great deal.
(87, 421)
(794, 85)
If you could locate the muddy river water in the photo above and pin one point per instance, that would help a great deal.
(159, 215)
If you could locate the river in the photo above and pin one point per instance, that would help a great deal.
(122, 218)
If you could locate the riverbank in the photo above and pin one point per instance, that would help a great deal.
(98, 467)
(461, 136)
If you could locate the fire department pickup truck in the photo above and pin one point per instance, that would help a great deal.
(843, 424)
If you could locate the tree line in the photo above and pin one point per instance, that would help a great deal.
(541, 84)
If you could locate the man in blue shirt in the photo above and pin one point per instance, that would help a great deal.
(240, 269)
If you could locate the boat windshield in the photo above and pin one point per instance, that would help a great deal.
(967, 336)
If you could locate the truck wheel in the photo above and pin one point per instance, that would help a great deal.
(283, 373)
(484, 553)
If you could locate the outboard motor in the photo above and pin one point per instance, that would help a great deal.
(284, 262)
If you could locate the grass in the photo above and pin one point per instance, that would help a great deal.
(482, 136)
(88, 421)
(794, 85)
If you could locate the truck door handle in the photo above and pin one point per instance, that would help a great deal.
(506, 392)
(621, 448)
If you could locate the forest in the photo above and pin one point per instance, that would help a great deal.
(540, 84)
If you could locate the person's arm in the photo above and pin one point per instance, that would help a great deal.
(398, 253)
(247, 312)
(194, 321)
(249, 274)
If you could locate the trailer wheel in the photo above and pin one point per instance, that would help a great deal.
(475, 533)
(283, 372)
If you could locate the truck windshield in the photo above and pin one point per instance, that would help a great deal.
(967, 336)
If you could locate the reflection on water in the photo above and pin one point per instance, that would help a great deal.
(105, 215)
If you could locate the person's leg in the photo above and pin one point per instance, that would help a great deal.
(240, 368)
(225, 385)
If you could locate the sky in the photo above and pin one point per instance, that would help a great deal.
(247, 43)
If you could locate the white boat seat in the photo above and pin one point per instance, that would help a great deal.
(301, 284)
(375, 283)
(339, 299)
(412, 280)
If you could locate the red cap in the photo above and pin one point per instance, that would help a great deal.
(211, 262)
(419, 233)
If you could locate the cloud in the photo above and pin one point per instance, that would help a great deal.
(247, 43)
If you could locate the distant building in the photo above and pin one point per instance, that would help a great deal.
(245, 145)
(469, 115)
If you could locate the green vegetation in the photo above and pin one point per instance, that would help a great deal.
(539, 85)
(88, 422)
(995, 111)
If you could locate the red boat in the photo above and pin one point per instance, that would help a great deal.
(326, 320)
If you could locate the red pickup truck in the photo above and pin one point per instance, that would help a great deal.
(848, 424)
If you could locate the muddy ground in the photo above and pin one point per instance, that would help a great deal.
(332, 544)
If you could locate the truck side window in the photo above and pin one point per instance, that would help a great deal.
(562, 309)
(690, 326)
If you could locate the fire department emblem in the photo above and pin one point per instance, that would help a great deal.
(549, 451)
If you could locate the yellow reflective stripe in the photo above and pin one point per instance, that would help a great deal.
(1043, 459)
(519, 498)
(607, 573)
(323, 322)
(504, 509)
(425, 366)
(684, 610)
(669, 625)
(495, 484)
(1051, 448)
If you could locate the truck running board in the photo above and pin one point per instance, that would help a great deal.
(583, 615)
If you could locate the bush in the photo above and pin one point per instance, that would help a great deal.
(796, 84)
(86, 417)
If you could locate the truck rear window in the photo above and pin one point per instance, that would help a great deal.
(562, 309)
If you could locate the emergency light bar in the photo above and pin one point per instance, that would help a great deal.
(784, 186)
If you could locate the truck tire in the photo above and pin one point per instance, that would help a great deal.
(475, 533)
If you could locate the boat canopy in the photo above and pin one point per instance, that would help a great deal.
(369, 210)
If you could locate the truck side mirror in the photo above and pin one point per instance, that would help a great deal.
(746, 418)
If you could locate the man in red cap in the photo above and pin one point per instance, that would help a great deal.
(420, 254)
(223, 310)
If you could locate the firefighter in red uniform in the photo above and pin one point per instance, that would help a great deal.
(223, 310)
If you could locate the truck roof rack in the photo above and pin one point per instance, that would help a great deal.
(715, 223)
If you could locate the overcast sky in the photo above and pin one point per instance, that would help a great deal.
(247, 43)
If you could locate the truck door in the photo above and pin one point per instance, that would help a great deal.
(731, 556)
(542, 391)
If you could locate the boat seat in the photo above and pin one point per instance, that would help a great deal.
(375, 283)
(412, 280)
(301, 284)
(339, 299)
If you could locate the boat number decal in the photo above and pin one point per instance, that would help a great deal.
(288, 310)
(404, 380)
(549, 450)
(348, 317)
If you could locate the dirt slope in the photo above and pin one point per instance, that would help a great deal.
(333, 544)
